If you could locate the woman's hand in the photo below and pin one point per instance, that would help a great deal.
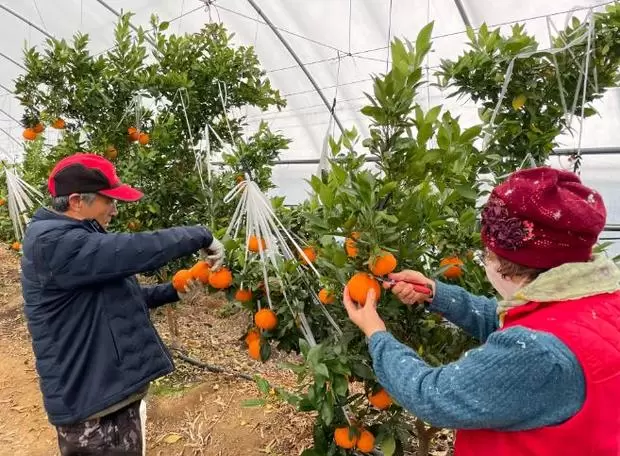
(405, 291)
(366, 316)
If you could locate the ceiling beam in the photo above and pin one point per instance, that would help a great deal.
(303, 68)
(23, 19)
(135, 29)
(463, 13)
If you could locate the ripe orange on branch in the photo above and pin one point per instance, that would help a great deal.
(29, 134)
(201, 271)
(254, 349)
(144, 138)
(310, 253)
(380, 400)
(383, 264)
(455, 271)
(38, 128)
(256, 244)
(58, 124)
(180, 279)
(266, 319)
(350, 246)
(365, 442)
(360, 284)
(16, 246)
(252, 335)
(326, 297)
(243, 295)
(221, 279)
(345, 438)
(133, 133)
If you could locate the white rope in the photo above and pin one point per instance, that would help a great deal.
(508, 76)
(21, 198)
(585, 85)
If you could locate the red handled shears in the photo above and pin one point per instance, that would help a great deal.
(418, 287)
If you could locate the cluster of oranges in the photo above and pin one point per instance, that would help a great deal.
(137, 135)
(349, 437)
(265, 320)
(31, 133)
(201, 271)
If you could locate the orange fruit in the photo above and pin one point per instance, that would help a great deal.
(180, 279)
(133, 225)
(383, 264)
(38, 128)
(133, 133)
(359, 285)
(16, 246)
(243, 295)
(111, 153)
(310, 253)
(143, 138)
(254, 349)
(201, 271)
(344, 439)
(365, 442)
(58, 124)
(2, 201)
(455, 271)
(221, 279)
(29, 134)
(381, 399)
(350, 245)
(253, 244)
(266, 319)
(326, 297)
(239, 179)
(252, 335)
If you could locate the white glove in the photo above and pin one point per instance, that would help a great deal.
(214, 254)
(191, 289)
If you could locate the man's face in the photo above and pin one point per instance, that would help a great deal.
(101, 209)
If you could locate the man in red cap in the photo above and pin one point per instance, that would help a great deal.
(96, 349)
(546, 380)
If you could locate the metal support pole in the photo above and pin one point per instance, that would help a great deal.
(10, 116)
(463, 13)
(23, 19)
(118, 14)
(12, 61)
(299, 62)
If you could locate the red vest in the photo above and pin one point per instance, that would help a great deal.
(590, 328)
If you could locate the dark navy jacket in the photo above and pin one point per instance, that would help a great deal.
(92, 336)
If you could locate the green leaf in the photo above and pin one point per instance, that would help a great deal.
(164, 26)
(388, 445)
(327, 412)
(362, 370)
(341, 385)
(322, 370)
(471, 133)
(423, 42)
(254, 403)
(466, 192)
(263, 385)
(304, 347)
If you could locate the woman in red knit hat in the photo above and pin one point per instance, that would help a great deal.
(546, 380)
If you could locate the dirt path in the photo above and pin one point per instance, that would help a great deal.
(190, 412)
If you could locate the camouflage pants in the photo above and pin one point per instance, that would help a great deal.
(119, 434)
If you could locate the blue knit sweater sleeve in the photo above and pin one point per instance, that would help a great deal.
(519, 379)
(477, 315)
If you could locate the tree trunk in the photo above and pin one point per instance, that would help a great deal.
(425, 436)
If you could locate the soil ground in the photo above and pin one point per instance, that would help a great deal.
(190, 412)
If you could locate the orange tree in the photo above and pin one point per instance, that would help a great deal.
(419, 204)
(146, 108)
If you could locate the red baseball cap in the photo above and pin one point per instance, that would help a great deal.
(89, 173)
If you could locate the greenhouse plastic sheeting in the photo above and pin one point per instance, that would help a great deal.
(342, 44)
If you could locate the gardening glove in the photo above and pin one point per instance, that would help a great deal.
(214, 254)
(192, 288)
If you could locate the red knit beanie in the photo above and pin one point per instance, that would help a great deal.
(542, 218)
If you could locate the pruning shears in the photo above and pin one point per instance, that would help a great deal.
(418, 287)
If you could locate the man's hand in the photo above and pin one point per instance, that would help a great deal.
(214, 254)
(365, 317)
(404, 290)
(191, 289)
